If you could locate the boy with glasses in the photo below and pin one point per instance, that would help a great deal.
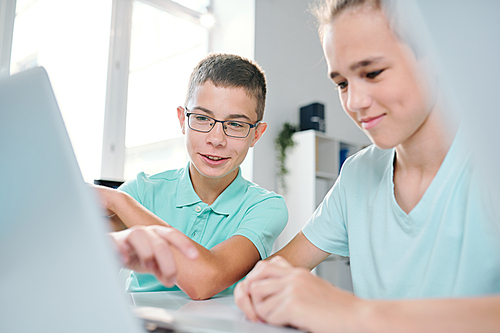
(230, 223)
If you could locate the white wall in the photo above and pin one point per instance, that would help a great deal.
(234, 30)
(287, 47)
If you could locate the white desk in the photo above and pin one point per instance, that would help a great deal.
(218, 314)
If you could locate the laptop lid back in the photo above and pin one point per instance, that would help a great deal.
(58, 270)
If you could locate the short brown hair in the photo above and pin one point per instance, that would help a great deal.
(231, 71)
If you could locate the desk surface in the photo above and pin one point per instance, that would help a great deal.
(218, 314)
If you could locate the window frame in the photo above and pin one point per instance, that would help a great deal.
(7, 16)
(115, 119)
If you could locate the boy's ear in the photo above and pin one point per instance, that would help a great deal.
(261, 128)
(182, 118)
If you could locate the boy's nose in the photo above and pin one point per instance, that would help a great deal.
(358, 98)
(216, 136)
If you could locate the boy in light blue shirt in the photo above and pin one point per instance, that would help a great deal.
(410, 211)
(231, 223)
(447, 245)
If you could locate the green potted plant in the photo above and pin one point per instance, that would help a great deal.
(283, 143)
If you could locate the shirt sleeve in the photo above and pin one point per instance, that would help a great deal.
(133, 186)
(326, 228)
(263, 223)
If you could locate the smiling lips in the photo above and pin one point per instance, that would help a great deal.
(369, 123)
(213, 159)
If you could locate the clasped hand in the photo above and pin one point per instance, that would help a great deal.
(280, 294)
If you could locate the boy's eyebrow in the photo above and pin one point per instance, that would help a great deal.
(202, 109)
(359, 64)
(231, 116)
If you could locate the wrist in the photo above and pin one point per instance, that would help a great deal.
(372, 316)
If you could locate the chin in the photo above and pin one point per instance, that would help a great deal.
(214, 174)
(383, 144)
(207, 172)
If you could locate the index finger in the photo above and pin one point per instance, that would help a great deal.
(118, 237)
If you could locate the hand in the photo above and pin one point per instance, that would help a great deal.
(279, 294)
(261, 271)
(148, 249)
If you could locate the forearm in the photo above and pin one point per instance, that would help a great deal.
(116, 223)
(200, 279)
(130, 212)
(444, 315)
(216, 269)
(299, 252)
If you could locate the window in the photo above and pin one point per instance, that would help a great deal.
(164, 49)
(58, 35)
(103, 66)
(71, 39)
(197, 5)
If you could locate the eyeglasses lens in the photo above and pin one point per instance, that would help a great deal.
(205, 124)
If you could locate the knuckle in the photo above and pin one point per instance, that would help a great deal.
(260, 264)
(136, 231)
(298, 278)
(253, 289)
(136, 227)
(161, 246)
(301, 273)
(276, 260)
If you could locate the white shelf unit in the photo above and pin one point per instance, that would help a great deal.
(313, 165)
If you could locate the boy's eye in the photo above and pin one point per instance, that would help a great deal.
(202, 118)
(342, 85)
(373, 75)
(235, 124)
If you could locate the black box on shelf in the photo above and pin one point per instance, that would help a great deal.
(312, 116)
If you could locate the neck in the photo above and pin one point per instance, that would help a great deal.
(209, 189)
(425, 150)
(418, 160)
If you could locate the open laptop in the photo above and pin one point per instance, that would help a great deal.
(58, 271)
(58, 267)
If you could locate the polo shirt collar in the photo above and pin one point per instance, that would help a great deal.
(186, 196)
(228, 201)
(225, 204)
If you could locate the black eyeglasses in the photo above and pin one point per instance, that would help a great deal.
(232, 128)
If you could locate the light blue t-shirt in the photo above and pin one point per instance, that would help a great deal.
(447, 246)
(243, 209)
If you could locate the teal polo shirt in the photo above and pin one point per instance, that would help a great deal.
(243, 209)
